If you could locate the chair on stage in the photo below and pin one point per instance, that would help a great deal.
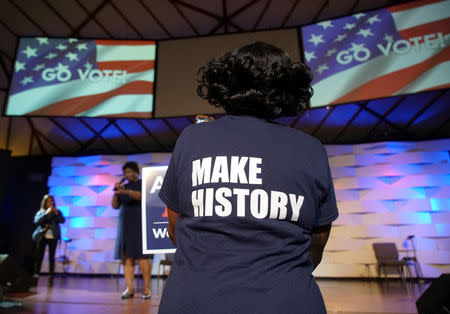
(63, 259)
(167, 261)
(388, 260)
(411, 257)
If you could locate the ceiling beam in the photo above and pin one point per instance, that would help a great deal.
(149, 11)
(355, 4)
(170, 127)
(198, 9)
(8, 28)
(261, 14)
(90, 17)
(330, 110)
(175, 5)
(428, 105)
(324, 5)
(40, 135)
(34, 135)
(58, 14)
(362, 106)
(152, 136)
(59, 125)
(96, 135)
(234, 14)
(126, 136)
(28, 17)
(291, 10)
(126, 20)
(225, 16)
(382, 118)
(294, 122)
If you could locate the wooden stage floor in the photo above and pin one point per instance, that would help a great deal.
(102, 295)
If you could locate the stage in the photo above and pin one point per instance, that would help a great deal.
(102, 295)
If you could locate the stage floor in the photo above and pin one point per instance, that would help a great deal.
(102, 295)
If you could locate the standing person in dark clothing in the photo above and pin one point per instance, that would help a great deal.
(127, 198)
(47, 232)
(250, 202)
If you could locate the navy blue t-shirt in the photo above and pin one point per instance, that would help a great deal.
(248, 193)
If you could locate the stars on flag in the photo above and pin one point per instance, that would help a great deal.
(349, 26)
(88, 66)
(61, 47)
(42, 40)
(359, 15)
(61, 67)
(19, 66)
(309, 56)
(316, 39)
(331, 52)
(322, 68)
(51, 55)
(39, 67)
(388, 38)
(82, 46)
(36, 54)
(325, 24)
(30, 52)
(72, 56)
(26, 80)
(373, 19)
(365, 32)
(353, 38)
(340, 38)
(357, 47)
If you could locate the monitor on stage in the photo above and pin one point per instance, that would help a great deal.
(397, 50)
(83, 78)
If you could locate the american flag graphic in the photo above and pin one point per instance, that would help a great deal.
(397, 50)
(87, 78)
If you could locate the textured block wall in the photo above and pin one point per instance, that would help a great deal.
(385, 191)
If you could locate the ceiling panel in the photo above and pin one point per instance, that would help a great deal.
(75, 127)
(58, 136)
(17, 21)
(406, 110)
(359, 128)
(91, 5)
(275, 14)
(37, 11)
(249, 17)
(204, 23)
(70, 11)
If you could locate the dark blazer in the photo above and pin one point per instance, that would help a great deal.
(43, 222)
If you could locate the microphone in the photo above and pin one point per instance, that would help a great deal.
(121, 181)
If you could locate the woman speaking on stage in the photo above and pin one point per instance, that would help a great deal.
(250, 201)
(127, 198)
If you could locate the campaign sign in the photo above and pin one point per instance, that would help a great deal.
(155, 221)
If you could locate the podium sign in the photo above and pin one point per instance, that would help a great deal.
(155, 221)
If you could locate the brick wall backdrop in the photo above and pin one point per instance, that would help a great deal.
(385, 191)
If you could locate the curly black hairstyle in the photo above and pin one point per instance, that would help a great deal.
(131, 165)
(256, 79)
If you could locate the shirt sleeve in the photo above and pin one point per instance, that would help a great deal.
(328, 211)
(169, 192)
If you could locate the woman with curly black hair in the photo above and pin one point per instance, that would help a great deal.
(250, 202)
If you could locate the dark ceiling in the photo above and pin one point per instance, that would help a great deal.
(413, 117)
